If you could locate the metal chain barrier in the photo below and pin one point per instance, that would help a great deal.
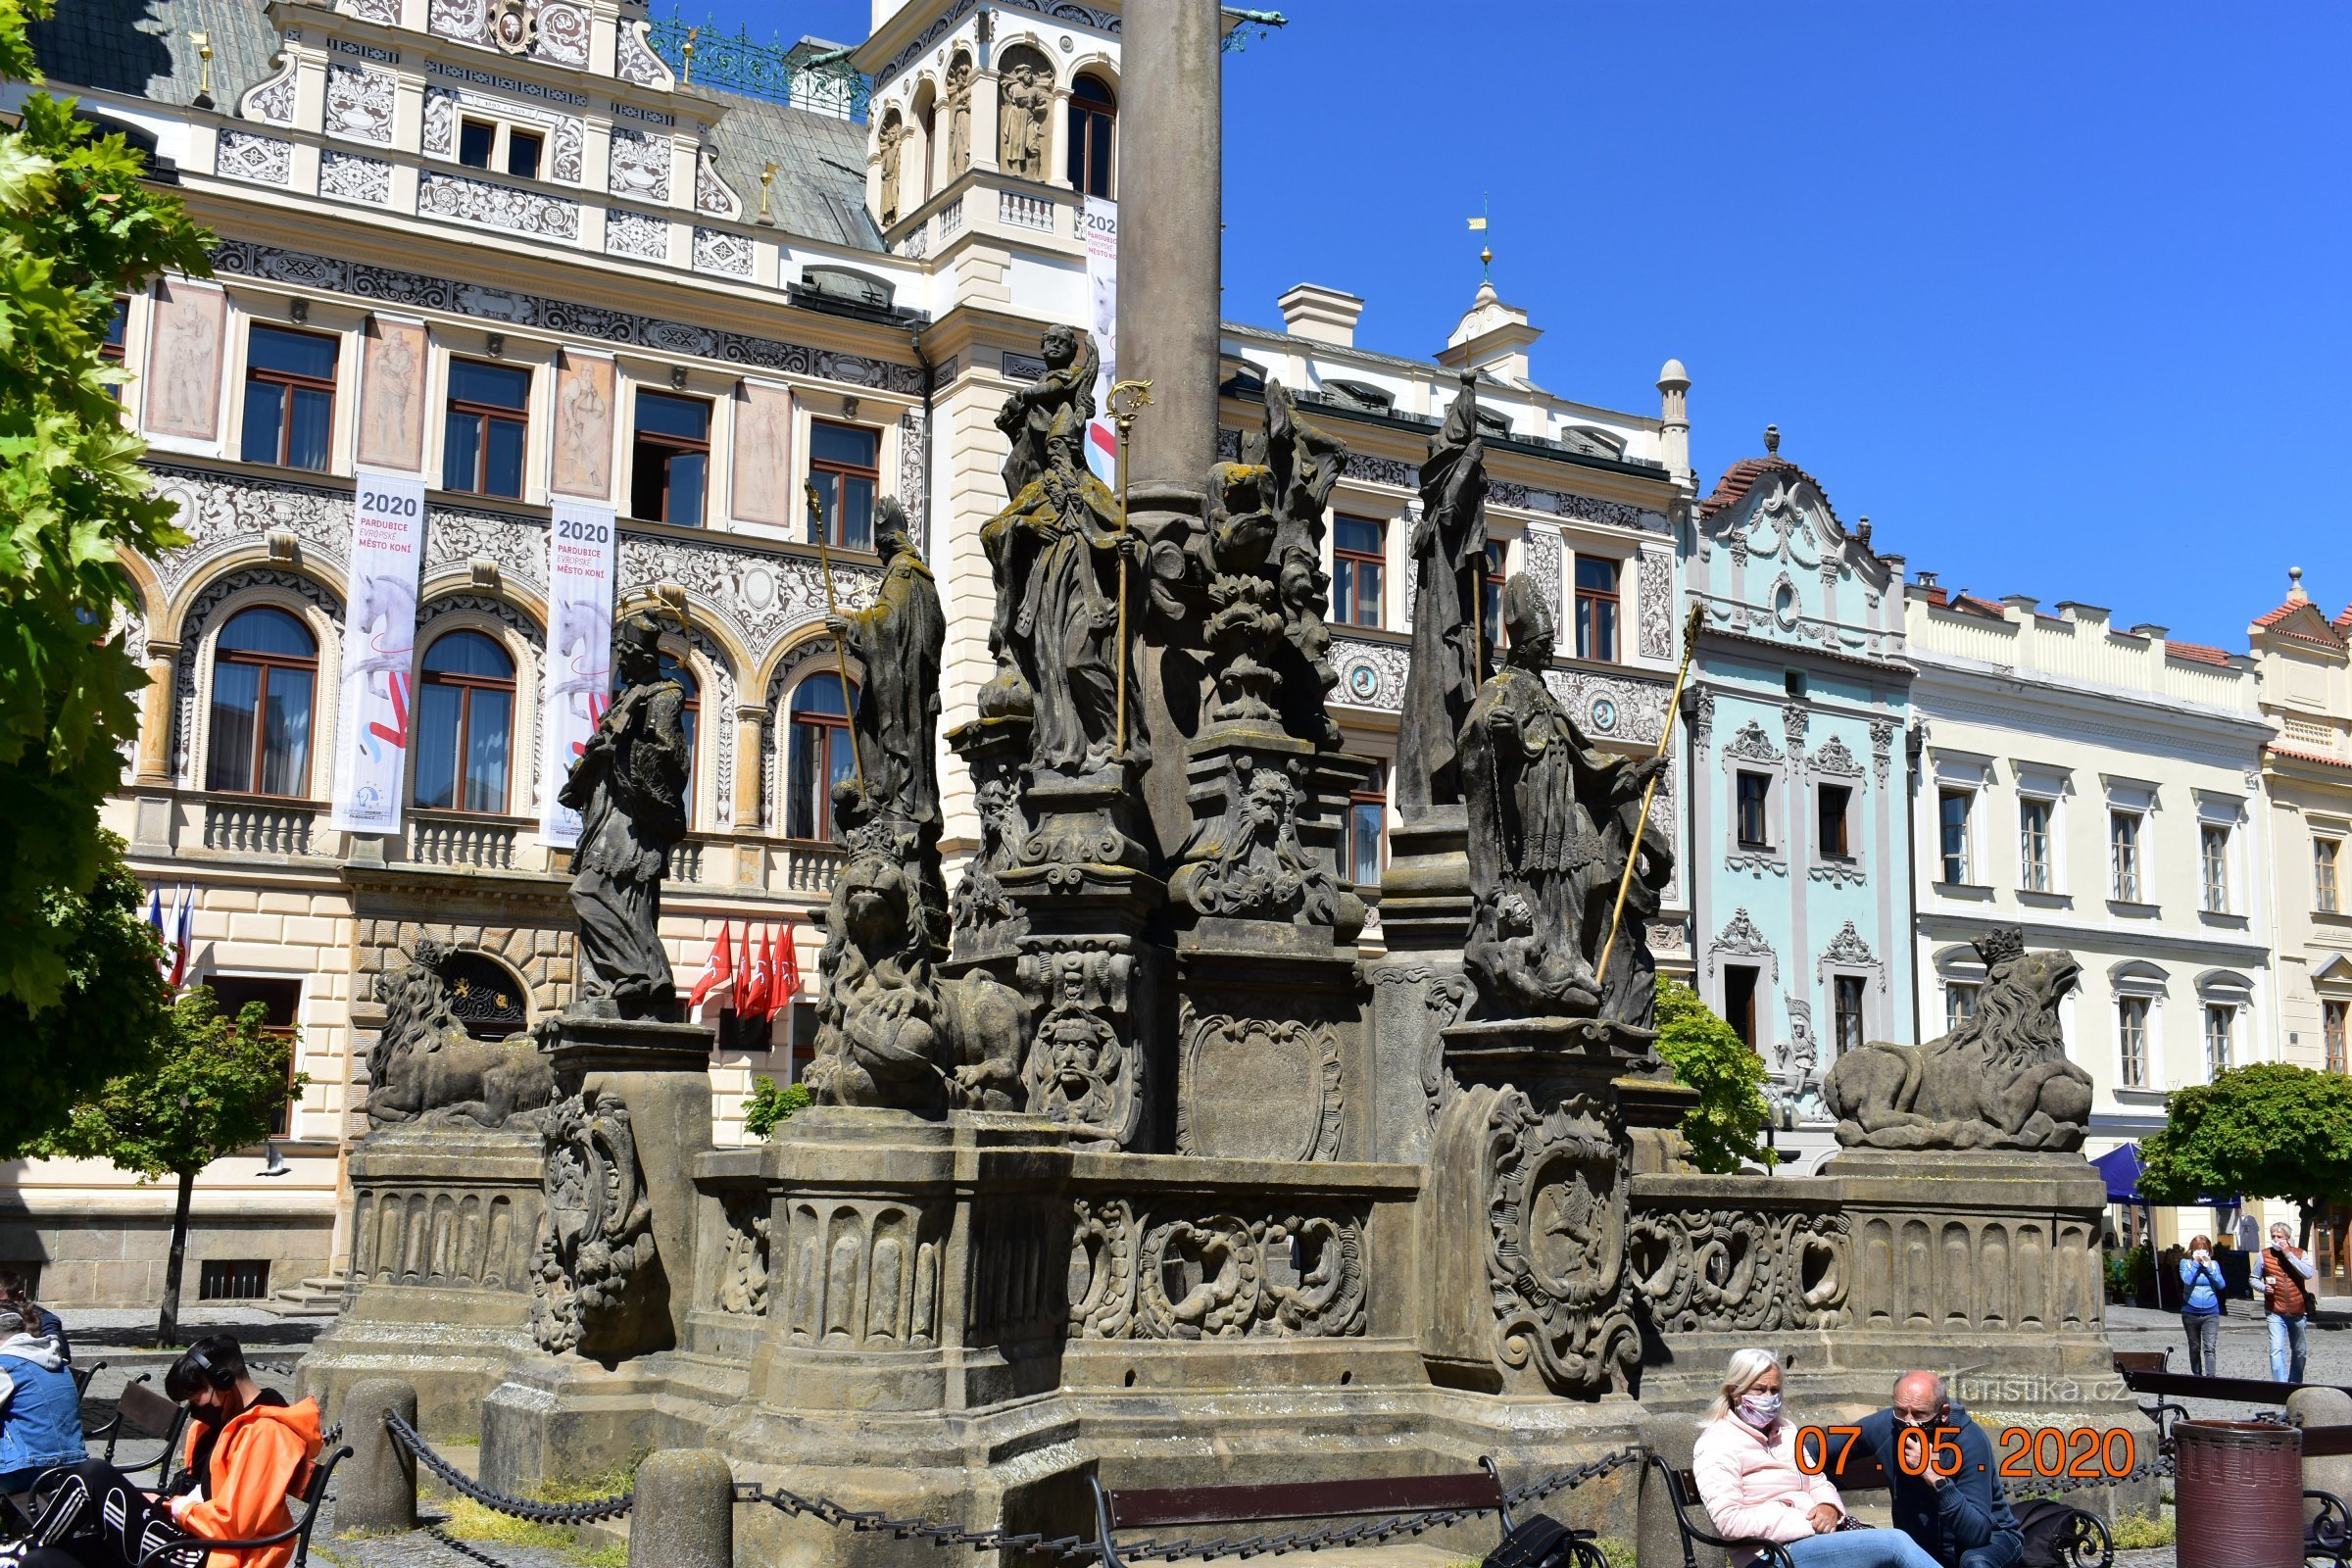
(1074, 1549)
(2158, 1468)
(538, 1513)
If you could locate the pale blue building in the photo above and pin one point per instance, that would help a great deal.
(1799, 723)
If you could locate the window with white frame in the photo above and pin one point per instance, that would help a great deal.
(2033, 844)
(2220, 1023)
(2212, 843)
(1953, 809)
(2327, 891)
(1959, 1004)
(2125, 881)
(2332, 1019)
(2132, 1039)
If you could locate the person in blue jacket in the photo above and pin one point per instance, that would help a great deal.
(41, 1406)
(1961, 1518)
(2201, 1307)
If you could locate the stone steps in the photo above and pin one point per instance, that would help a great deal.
(320, 1296)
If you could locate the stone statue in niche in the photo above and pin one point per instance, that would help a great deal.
(1548, 832)
(960, 115)
(1081, 1069)
(890, 1032)
(1057, 551)
(892, 800)
(1247, 863)
(2001, 1079)
(597, 1286)
(1025, 98)
(892, 138)
(425, 1067)
(1449, 565)
(629, 787)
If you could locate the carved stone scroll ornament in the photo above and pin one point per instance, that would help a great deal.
(424, 1066)
(595, 1259)
(1257, 1088)
(1741, 1271)
(743, 1264)
(1248, 863)
(1559, 1196)
(1215, 1276)
(1083, 1069)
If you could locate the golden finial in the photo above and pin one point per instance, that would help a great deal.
(203, 83)
(767, 178)
(686, 68)
(1486, 252)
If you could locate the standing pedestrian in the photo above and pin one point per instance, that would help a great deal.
(2285, 1273)
(2201, 1308)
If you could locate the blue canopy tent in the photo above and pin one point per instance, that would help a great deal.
(2120, 1167)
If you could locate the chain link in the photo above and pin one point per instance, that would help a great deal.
(2158, 1468)
(538, 1513)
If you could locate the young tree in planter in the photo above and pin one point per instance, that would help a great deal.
(2270, 1130)
(1707, 1055)
(211, 1091)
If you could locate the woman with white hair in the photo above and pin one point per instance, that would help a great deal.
(1748, 1478)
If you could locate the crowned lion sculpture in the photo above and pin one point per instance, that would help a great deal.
(425, 1067)
(1999, 1079)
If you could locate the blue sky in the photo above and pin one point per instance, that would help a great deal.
(2060, 296)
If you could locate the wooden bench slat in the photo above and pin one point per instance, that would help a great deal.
(1153, 1508)
(2251, 1391)
(2320, 1442)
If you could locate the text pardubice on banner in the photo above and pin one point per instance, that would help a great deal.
(374, 719)
(578, 683)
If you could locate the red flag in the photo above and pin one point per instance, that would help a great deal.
(718, 971)
(786, 977)
(751, 995)
(764, 1007)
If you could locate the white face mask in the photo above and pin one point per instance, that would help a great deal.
(2202, 1255)
(1759, 1409)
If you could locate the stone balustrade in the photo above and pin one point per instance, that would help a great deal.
(483, 844)
(243, 828)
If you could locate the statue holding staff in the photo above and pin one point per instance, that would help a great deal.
(1449, 565)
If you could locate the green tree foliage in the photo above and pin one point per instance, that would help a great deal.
(1707, 1054)
(770, 1104)
(76, 228)
(211, 1090)
(105, 1023)
(2270, 1130)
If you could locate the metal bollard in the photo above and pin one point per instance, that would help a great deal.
(376, 1489)
(684, 1516)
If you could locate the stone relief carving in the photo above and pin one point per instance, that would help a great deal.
(888, 144)
(1248, 864)
(358, 103)
(467, 21)
(1753, 745)
(636, 234)
(1082, 1069)
(1285, 1275)
(1024, 102)
(477, 201)
(563, 32)
(1444, 993)
(264, 160)
(452, 1239)
(596, 1284)
(1653, 578)
(1795, 722)
(1834, 757)
(711, 193)
(425, 1067)
(273, 102)
(640, 165)
(440, 120)
(634, 60)
(1559, 1194)
(762, 595)
(1741, 1271)
(742, 1263)
(1740, 938)
(1703, 717)
(1882, 744)
(1256, 1088)
(1616, 707)
(385, 12)
(1545, 563)
(866, 1273)
(718, 251)
(1848, 949)
(567, 153)
(915, 484)
(354, 177)
(1371, 674)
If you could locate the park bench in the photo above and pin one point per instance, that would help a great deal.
(142, 1414)
(1153, 1508)
(308, 1489)
(2082, 1542)
(2163, 1412)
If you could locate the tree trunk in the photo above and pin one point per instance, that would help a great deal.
(166, 1322)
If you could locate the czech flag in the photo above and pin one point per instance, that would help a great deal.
(183, 927)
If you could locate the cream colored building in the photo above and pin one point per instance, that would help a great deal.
(2100, 787)
(538, 263)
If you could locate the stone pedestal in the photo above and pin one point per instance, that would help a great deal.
(984, 923)
(1417, 985)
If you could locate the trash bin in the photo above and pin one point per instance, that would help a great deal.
(2237, 1487)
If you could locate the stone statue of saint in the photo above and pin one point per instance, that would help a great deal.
(892, 137)
(1545, 848)
(898, 641)
(1304, 463)
(629, 787)
(960, 115)
(1450, 564)
(1025, 98)
(1057, 551)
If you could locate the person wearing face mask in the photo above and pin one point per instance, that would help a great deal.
(246, 1449)
(2201, 1308)
(1959, 1516)
(1746, 1464)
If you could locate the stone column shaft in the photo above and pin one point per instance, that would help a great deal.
(751, 735)
(1171, 158)
(155, 715)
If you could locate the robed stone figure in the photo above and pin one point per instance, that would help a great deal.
(1547, 831)
(1449, 565)
(897, 642)
(629, 787)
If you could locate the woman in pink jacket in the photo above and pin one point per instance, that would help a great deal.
(1745, 1465)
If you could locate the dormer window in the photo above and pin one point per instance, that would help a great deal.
(1360, 395)
(1493, 424)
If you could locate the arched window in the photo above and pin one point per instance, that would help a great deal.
(489, 1001)
(465, 724)
(818, 755)
(1094, 113)
(674, 668)
(927, 116)
(265, 671)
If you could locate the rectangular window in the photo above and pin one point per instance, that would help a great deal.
(1951, 819)
(475, 139)
(1754, 789)
(2324, 895)
(118, 329)
(1959, 1004)
(238, 1279)
(1597, 609)
(670, 458)
(1832, 801)
(2219, 1021)
(483, 433)
(2132, 1034)
(1740, 1001)
(845, 465)
(279, 997)
(2123, 856)
(289, 398)
(1491, 596)
(2214, 842)
(1846, 1000)
(1367, 831)
(2033, 845)
(2332, 1016)
(1359, 560)
(523, 153)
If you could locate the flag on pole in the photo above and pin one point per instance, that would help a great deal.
(183, 925)
(788, 977)
(718, 971)
(750, 992)
(1478, 224)
(765, 1008)
(154, 920)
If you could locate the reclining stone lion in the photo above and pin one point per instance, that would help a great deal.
(2000, 1080)
(425, 1066)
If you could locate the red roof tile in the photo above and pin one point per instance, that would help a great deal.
(1741, 476)
(2272, 618)
(1978, 606)
(2286, 611)
(2305, 756)
(2198, 652)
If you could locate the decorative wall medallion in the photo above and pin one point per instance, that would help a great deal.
(1638, 702)
(358, 103)
(1371, 673)
(264, 160)
(355, 178)
(1604, 714)
(1257, 1088)
(1560, 1191)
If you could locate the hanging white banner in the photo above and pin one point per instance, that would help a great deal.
(373, 721)
(578, 680)
(1102, 221)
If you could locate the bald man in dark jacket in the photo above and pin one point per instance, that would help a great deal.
(1963, 1519)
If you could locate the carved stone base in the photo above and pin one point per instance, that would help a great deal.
(1260, 865)
(1425, 892)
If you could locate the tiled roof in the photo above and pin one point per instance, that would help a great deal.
(2277, 750)
(2343, 622)
(1741, 476)
(2271, 617)
(141, 48)
(2197, 651)
(1978, 606)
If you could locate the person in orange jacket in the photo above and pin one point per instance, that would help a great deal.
(247, 1450)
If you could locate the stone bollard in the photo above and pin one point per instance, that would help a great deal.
(684, 1516)
(376, 1489)
(2330, 1473)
